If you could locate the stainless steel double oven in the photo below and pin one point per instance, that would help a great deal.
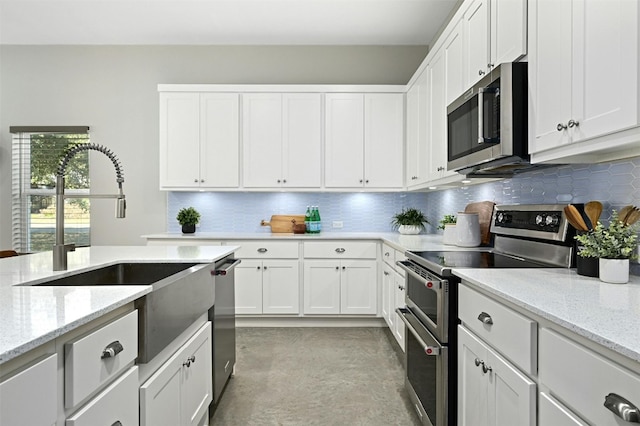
(525, 236)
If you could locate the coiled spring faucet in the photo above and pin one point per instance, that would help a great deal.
(60, 249)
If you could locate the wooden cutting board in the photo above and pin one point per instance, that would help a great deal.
(485, 211)
(283, 223)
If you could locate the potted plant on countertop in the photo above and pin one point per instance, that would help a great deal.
(409, 221)
(448, 225)
(614, 246)
(188, 217)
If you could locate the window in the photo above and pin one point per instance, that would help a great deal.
(36, 153)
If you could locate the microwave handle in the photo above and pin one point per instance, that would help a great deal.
(481, 115)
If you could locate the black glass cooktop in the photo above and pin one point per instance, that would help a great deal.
(475, 259)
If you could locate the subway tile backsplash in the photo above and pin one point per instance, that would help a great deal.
(615, 184)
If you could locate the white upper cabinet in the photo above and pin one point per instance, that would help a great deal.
(583, 75)
(281, 140)
(417, 144)
(453, 48)
(495, 31)
(364, 139)
(199, 140)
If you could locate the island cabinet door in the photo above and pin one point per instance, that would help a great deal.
(248, 287)
(321, 287)
(280, 287)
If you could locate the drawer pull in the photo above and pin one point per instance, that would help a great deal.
(113, 349)
(262, 250)
(117, 423)
(191, 359)
(340, 250)
(622, 408)
(485, 318)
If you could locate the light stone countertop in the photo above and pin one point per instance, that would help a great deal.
(31, 316)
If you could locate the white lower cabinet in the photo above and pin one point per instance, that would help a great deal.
(340, 287)
(551, 412)
(36, 382)
(491, 391)
(116, 405)
(267, 287)
(180, 391)
(393, 292)
(584, 381)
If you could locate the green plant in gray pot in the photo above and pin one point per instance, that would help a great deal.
(188, 217)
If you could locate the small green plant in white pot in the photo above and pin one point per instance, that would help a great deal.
(448, 226)
(188, 217)
(614, 246)
(409, 221)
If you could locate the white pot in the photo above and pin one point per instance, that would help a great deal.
(468, 230)
(615, 271)
(409, 229)
(449, 235)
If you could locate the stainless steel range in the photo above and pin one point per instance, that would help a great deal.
(525, 236)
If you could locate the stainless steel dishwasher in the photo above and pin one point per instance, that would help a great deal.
(223, 318)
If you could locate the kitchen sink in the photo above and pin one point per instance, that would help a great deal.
(182, 292)
(121, 274)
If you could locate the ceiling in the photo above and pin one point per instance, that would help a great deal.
(223, 22)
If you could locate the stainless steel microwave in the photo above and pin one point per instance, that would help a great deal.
(487, 125)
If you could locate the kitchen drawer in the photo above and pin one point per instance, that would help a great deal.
(582, 379)
(340, 250)
(389, 255)
(117, 403)
(551, 412)
(266, 249)
(35, 384)
(512, 334)
(399, 258)
(85, 370)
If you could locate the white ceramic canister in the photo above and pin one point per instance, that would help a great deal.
(468, 230)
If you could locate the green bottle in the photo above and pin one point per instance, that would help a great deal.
(307, 220)
(318, 221)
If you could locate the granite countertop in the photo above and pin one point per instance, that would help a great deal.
(608, 314)
(31, 316)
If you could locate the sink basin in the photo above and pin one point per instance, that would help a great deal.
(182, 292)
(121, 274)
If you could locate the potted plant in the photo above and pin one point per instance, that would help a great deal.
(448, 225)
(409, 221)
(614, 246)
(188, 217)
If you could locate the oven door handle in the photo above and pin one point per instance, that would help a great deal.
(434, 285)
(429, 350)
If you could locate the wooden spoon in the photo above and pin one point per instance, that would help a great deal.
(632, 217)
(593, 209)
(575, 218)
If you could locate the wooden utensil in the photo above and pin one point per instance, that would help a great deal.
(283, 223)
(632, 217)
(593, 209)
(624, 212)
(575, 218)
(485, 211)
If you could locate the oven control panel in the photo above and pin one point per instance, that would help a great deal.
(542, 221)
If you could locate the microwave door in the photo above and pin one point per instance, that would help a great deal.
(462, 129)
(488, 116)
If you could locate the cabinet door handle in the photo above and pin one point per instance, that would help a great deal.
(622, 408)
(366, 181)
(201, 180)
(344, 267)
(400, 287)
(386, 254)
(340, 250)
(486, 368)
(485, 318)
(560, 127)
(117, 423)
(386, 273)
(195, 180)
(264, 267)
(278, 180)
(112, 349)
(284, 181)
(189, 361)
(480, 72)
(573, 123)
(337, 268)
(360, 180)
(262, 250)
(478, 361)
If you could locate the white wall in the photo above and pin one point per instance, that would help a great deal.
(113, 89)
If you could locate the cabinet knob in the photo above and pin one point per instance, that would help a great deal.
(337, 268)
(195, 180)
(480, 72)
(264, 267)
(622, 408)
(284, 181)
(278, 181)
(201, 180)
(366, 181)
(386, 253)
(489, 65)
(112, 349)
(360, 180)
(486, 368)
(340, 250)
(117, 423)
(478, 362)
(385, 273)
(573, 123)
(401, 287)
(189, 361)
(258, 268)
(485, 318)
(262, 250)
(344, 267)
(560, 127)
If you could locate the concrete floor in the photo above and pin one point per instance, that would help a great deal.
(315, 376)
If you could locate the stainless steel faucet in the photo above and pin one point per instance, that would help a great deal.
(60, 249)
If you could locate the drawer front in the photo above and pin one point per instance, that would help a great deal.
(117, 403)
(340, 250)
(551, 412)
(389, 255)
(512, 334)
(36, 385)
(582, 379)
(86, 369)
(266, 250)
